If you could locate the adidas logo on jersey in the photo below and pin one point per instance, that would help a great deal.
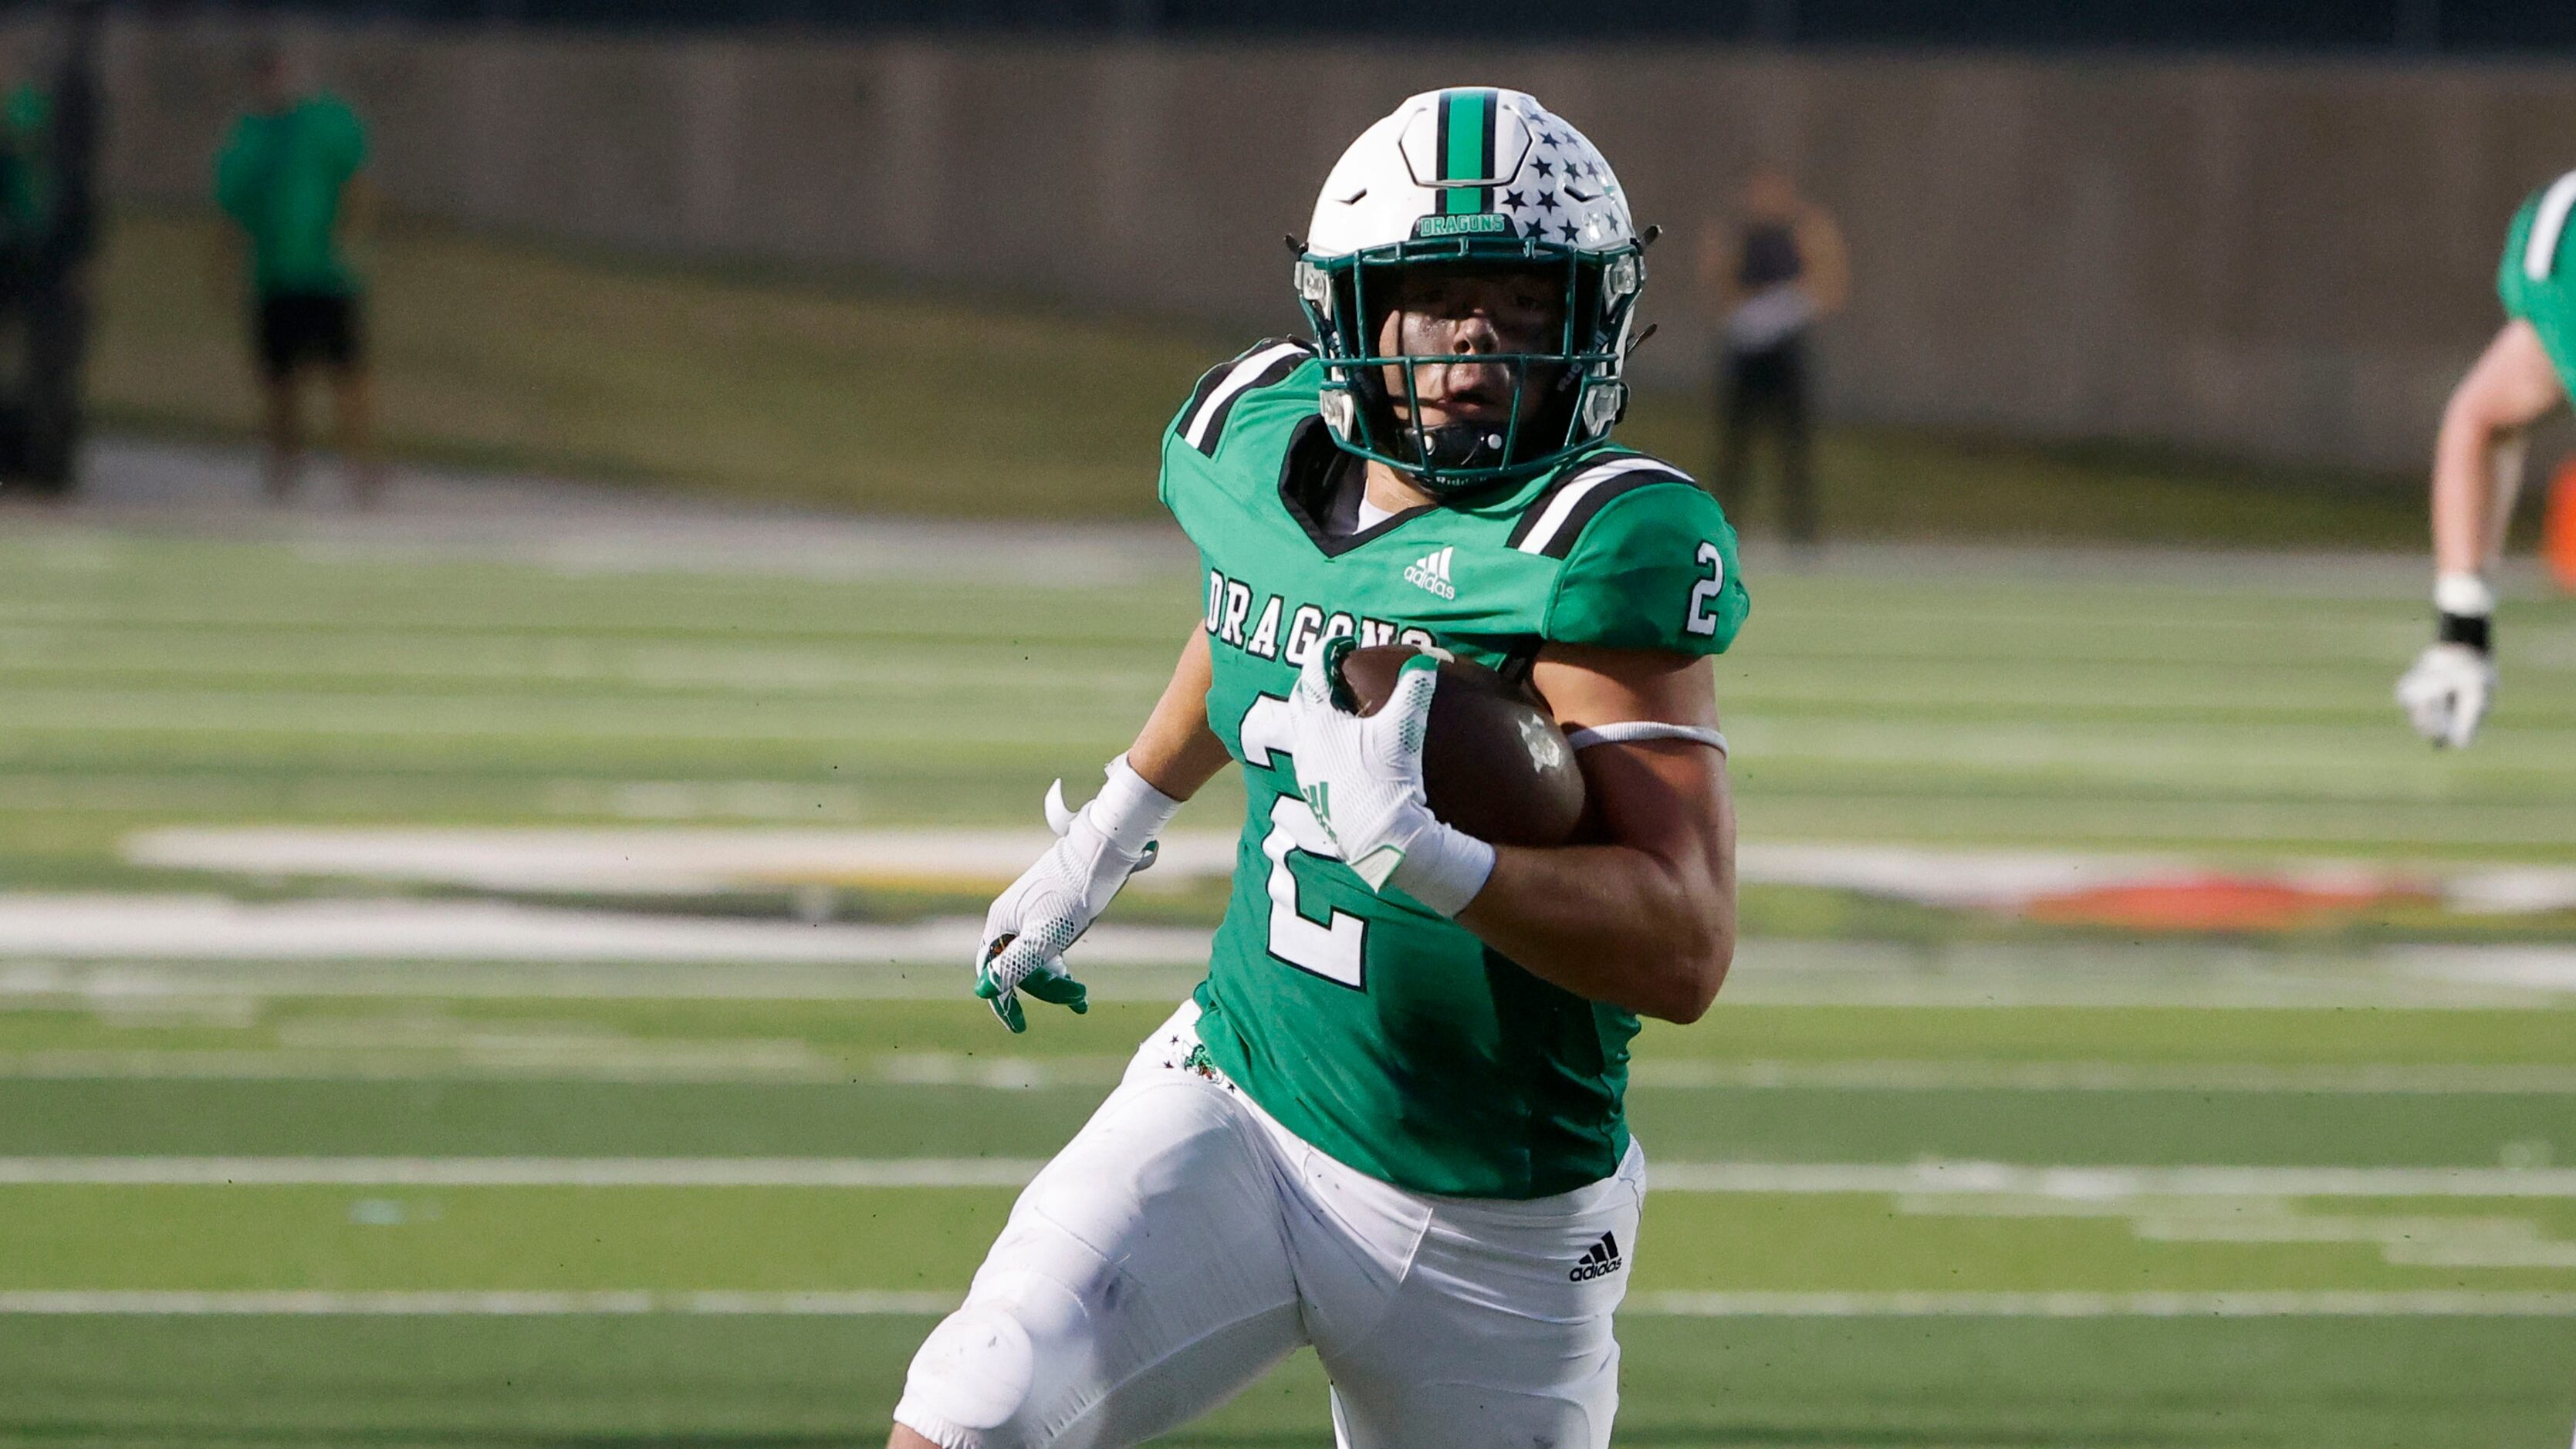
(1431, 571)
(1598, 1261)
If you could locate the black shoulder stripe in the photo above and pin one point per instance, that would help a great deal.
(1597, 499)
(1214, 400)
(1556, 518)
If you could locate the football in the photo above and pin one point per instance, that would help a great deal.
(1494, 764)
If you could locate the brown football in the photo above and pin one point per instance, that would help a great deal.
(1494, 764)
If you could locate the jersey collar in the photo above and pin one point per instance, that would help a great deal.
(1304, 470)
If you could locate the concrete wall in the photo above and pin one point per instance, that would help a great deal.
(2291, 259)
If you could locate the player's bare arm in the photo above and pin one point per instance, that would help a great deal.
(1176, 752)
(2477, 457)
(1644, 919)
(2477, 466)
(2477, 470)
(1820, 241)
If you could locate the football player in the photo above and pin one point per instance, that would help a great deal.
(2477, 465)
(1389, 1122)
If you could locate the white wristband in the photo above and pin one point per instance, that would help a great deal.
(1128, 810)
(1443, 867)
(2464, 594)
(1627, 731)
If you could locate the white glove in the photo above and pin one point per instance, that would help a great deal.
(1052, 903)
(2447, 692)
(1362, 778)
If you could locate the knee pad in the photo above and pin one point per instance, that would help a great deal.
(974, 1374)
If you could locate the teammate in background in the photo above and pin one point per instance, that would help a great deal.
(23, 116)
(291, 176)
(1389, 1122)
(1778, 271)
(49, 198)
(2477, 465)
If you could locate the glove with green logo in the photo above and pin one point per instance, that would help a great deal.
(1362, 778)
(1054, 901)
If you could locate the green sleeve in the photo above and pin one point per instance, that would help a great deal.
(1654, 569)
(233, 176)
(348, 139)
(2512, 287)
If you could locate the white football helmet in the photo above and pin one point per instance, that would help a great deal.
(1482, 177)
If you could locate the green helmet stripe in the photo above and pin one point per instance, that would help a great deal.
(1466, 145)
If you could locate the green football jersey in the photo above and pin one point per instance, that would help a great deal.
(280, 177)
(1383, 1033)
(2534, 280)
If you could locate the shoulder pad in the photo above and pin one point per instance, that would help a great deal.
(1555, 518)
(1649, 560)
(1202, 423)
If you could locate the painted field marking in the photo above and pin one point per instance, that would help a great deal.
(2336, 1078)
(1997, 1179)
(663, 860)
(88, 948)
(647, 861)
(837, 1172)
(469, 1303)
(2439, 1303)
(214, 928)
(2453, 1303)
(2456, 1240)
(2110, 1184)
(489, 1056)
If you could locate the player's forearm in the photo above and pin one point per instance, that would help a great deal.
(1614, 923)
(1176, 752)
(2469, 464)
(2477, 456)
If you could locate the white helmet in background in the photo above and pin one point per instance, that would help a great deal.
(1472, 176)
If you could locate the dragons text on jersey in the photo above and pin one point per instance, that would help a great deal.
(1383, 1033)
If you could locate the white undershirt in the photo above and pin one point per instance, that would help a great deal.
(1370, 515)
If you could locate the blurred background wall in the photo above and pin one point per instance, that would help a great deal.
(2287, 258)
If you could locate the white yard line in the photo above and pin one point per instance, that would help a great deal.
(646, 861)
(2109, 1184)
(2451, 1303)
(2398, 1079)
(683, 860)
(851, 1172)
(866, 1303)
(2074, 1184)
(156, 1303)
(213, 928)
(646, 1060)
(145, 946)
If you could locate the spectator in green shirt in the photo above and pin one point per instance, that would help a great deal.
(23, 116)
(291, 177)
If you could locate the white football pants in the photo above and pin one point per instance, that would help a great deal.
(1184, 1243)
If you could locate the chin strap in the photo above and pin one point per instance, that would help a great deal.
(1460, 445)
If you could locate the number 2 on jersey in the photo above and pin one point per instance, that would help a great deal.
(1704, 593)
(1331, 948)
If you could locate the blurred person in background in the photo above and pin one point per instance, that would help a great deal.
(291, 176)
(1775, 270)
(23, 111)
(48, 233)
(2521, 378)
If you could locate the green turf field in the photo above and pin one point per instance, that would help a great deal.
(394, 1204)
(862, 393)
